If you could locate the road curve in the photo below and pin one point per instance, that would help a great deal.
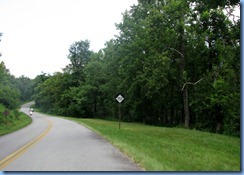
(56, 144)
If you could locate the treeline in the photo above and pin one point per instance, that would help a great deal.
(13, 92)
(177, 63)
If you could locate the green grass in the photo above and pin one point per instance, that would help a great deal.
(16, 124)
(170, 149)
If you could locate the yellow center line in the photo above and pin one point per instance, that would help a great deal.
(6, 161)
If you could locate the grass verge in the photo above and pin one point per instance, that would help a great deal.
(170, 149)
(16, 124)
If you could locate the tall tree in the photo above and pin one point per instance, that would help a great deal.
(79, 55)
(26, 87)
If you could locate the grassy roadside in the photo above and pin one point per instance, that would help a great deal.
(170, 149)
(16, 124)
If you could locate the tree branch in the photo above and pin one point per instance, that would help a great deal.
(177, 51)
(191, 83)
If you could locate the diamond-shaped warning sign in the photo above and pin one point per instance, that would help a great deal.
(120, 98)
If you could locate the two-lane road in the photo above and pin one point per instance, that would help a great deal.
(56, 144)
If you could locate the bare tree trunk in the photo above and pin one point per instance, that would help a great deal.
(186, 107)
(186, 101)
(182, 52)
(218, 118)
(218, 127)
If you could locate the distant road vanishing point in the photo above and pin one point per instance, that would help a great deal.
(55, 144)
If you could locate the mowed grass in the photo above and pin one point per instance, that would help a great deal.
(16, 124)
(170, 149)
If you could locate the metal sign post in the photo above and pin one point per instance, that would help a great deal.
(119, 99)
(119, 114)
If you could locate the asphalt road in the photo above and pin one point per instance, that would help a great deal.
(56, 144)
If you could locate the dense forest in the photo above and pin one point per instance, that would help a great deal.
(176, 63)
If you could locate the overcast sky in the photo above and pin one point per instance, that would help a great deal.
(38, 33)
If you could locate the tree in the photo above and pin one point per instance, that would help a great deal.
(26, 87)
(9, 95)
(79, 55)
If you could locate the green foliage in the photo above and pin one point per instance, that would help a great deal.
(8, 117)
(79, 55)
(9, 94)
(209, 4)
(26, 87)
(162, 46)
(15, 121)
(9, 97)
